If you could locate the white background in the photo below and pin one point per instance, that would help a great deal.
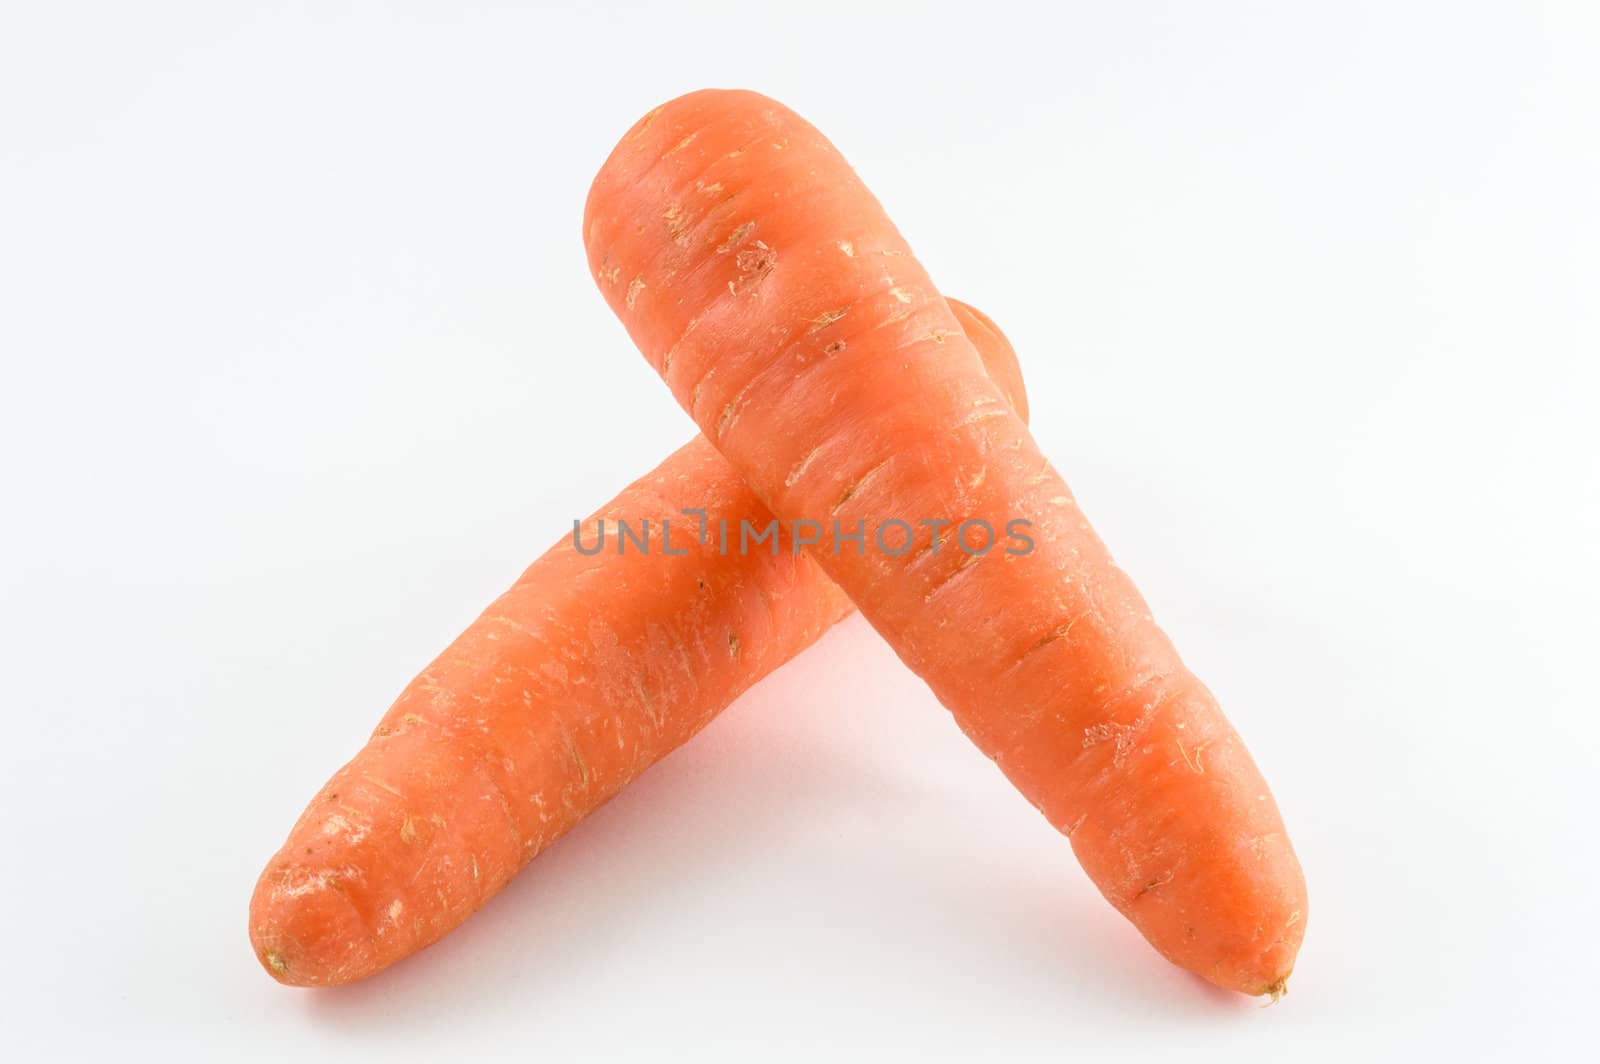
(302, 365)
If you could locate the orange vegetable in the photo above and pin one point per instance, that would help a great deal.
(764, 282)
(587, 671)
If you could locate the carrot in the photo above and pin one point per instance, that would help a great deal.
(764, 282)
(588, 670)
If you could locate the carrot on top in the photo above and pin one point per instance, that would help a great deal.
(789, 317)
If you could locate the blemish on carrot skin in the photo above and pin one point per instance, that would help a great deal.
(735, 238)
(682, 144)
(1060, 631)
(900, 294)
(733, 645)
(1155, 884)
(1120, 734)
(677, 220)
(825, 319)
(635, 286)
(577, 759)
(848, 248)
(1194, 763)
(949, 578)
(834, 348)
(850, 492)
(648, 702)
(754, 264)
(408, 831)
(981, 414)
(275, 961)
(798, 471)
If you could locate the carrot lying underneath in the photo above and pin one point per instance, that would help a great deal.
(587, 671)
(765, 283)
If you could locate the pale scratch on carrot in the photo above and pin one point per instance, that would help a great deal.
(682, 144)
(1194, 762)
(1155, 884)
(735, 238)
(825, 319)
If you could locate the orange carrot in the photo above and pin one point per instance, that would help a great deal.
(764, 282)
(587, 671)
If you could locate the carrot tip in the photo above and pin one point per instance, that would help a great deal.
(1277, 991)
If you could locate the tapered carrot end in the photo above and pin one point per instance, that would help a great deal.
(305, 932)
(1264, 973)
(1220, 890)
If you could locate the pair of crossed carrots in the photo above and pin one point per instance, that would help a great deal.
(832, 382)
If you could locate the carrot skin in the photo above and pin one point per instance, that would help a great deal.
(584, 673)
(788, 316)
